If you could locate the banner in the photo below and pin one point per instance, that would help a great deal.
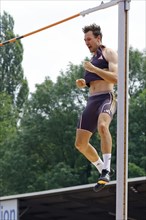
(9, 210)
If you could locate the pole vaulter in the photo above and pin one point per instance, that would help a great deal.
(122, 113)
(83, 13)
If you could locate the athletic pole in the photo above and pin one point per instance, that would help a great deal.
(83, 13)
(122, 112)
(39, 30)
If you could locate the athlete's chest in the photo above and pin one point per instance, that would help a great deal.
(98, 60)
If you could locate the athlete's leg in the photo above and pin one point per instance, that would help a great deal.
(104, 121)
(106, 148)
(106, 139)
(83, 145)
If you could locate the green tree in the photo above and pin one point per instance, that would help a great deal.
(13, 96)
(11, 72)
(8, 115)
(137, 128)
(135, 170)
(137, 71)
(44, 156)
(137, 109)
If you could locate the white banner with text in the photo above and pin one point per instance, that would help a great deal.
(9, 209)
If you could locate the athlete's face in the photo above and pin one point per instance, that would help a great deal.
(92, 42)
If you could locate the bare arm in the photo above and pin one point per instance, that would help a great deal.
(109, 75)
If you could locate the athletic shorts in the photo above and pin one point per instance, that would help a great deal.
(96, 104)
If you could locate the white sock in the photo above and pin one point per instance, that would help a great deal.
(98, 164)
(106, 161)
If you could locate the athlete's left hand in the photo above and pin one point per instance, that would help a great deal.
(89, 66)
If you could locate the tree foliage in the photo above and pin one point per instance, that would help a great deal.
(11, 73)
(13, 96)
(137, 71)
(39, 153)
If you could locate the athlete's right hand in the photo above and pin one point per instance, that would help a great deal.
(80, 83)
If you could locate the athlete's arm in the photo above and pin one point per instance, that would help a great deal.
(109, 75)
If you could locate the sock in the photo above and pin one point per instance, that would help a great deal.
(106, 161)
(98, 164)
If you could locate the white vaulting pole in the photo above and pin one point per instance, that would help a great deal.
(122, 111)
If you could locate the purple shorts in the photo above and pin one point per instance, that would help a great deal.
(96, 104)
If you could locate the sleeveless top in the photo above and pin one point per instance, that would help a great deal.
(99, 61)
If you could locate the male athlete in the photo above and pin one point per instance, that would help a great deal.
(100, 76)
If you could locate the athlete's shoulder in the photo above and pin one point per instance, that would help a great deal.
(110, 54)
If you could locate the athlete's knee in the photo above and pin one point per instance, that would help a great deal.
(80, 145)
(102, 128)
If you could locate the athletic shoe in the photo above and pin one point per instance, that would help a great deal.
(98, 187)
(103, 179)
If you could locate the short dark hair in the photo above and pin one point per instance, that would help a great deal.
(96, 30)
